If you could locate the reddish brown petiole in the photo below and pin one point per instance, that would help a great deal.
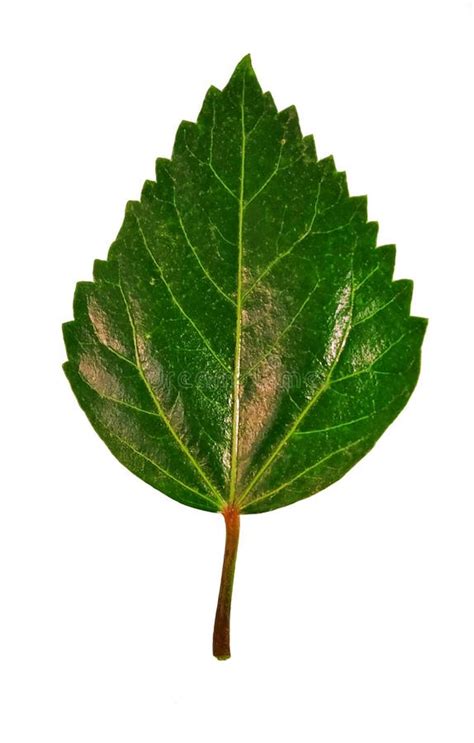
(221, 638)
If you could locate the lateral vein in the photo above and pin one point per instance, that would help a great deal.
(175, 301)
(313, 399)
(159, 407)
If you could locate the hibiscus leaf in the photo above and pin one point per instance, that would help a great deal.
(244, 343)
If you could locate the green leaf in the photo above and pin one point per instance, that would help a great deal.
(244, 344)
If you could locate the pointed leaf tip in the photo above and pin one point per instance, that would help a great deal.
(244, 66)
(246, 61)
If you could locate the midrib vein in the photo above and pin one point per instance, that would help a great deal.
(238, 329)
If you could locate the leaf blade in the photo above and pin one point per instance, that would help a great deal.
(264, 327)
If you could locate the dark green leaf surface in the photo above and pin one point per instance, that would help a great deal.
(244, 342)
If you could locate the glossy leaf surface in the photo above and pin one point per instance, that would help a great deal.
(244, 341)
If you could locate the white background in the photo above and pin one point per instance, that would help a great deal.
(353, 611)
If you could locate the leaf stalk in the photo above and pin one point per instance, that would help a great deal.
(221, 637)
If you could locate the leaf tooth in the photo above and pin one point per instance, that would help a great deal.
(148, 192)
(184, 133)
(329, 164)
(211, 94)
(289, 115)
(186, 124)
(68, 329)
(421, 323)
(162, 169)
(104, 271)
(403, 288)
(205, 114)
(386, 255)
(372, 228)
(100, 270)
(270, 101)
(131, 206)
(81, 294)
(310, 148)
(360, 206)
